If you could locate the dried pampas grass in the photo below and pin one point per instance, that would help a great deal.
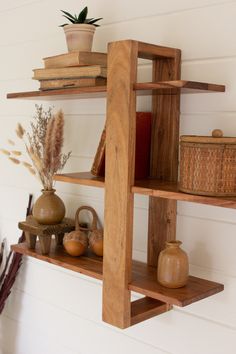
(43, 145)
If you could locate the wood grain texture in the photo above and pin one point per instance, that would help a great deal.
(81, 92)
(88, 264)
(145, 308)
(33, 227)
(180, 84)
(144, 277)
(152, 51)
(171, 87)
(169, 190)
(84, 178)
(144, 282)
(119, 176)
(164, 156)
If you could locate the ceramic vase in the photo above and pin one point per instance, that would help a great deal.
(173, 266)
(79, 37)
(49, 209)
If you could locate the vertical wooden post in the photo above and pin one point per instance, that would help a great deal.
(164, 156)
(119, 177)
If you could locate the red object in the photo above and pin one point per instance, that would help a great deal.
(143, 144)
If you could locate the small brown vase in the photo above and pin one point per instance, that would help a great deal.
(49, 209)
(173, 266)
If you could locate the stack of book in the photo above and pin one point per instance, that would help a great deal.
(74, 69)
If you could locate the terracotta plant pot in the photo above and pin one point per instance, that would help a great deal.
(49, 209)
(79, 37)
(173, 267)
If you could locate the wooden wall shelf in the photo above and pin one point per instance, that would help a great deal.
(143, 276)
(150, 187)
(165, 88)
(121, 275)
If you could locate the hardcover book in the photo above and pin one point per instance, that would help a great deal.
(142, 151)
(70, 72)
(75, 58)
(67, 83)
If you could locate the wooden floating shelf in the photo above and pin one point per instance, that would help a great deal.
(143, 279)
(179, 85)
(150, 187)
(83, 178)
(163, 87)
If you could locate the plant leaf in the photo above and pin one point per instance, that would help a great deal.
(83, 14)
(73, 21)
(68, 14)
(93, 20)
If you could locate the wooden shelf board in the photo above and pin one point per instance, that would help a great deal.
(150, 187)
(143, 276)
(81, 92)
(170, 190)
(145, 308)
(144, 282)
(88, 265)
(84, 178)
(183, 85)
(144, 88)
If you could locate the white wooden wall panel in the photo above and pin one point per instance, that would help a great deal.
(53, 310)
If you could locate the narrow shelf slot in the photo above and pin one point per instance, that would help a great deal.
(143, 277)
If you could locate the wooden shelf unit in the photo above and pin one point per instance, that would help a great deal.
(119, 273)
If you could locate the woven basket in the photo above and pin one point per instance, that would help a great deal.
(208, 165)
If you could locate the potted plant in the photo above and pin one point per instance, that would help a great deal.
(43, 145)
(79, 34)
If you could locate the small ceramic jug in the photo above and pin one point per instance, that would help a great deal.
(76, 242)
(173, 266)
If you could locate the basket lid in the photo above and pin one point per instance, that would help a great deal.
(216, 138)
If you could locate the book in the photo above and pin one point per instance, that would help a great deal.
(98, 167)
(70, 72)
(75, 59)
(67, 83)
(142, 151)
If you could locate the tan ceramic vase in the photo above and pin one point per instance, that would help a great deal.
(49, 209)
(173, 266)
(79, 37)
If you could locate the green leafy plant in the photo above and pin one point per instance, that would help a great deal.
(81, 18)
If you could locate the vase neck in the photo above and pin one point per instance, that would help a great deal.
(50, 191)
(173, 243)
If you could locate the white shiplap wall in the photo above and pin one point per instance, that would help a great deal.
(52, 310)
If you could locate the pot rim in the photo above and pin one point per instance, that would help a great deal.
(78, 26)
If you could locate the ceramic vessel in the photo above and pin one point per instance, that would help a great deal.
(96, 242)
(79, 37)
(173, 266)
(49, 209)
(75, 243)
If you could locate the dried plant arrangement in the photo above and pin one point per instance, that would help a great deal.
(43, 145)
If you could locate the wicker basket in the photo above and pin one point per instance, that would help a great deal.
(208, 165)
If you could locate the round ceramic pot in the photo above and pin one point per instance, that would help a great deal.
(173, 266)
(49, 209)
(79, 37)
